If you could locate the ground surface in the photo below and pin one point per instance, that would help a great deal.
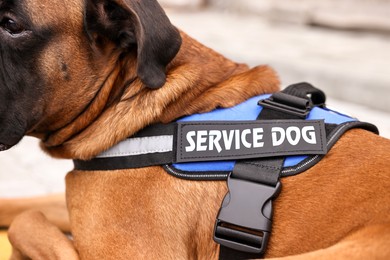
(5, 247)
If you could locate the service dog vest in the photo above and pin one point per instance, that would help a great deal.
(251, 145)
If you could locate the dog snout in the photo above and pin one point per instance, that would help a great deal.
(4, 147)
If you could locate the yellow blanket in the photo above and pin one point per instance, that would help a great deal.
(5, 247)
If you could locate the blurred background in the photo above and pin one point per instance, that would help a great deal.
(340, 46)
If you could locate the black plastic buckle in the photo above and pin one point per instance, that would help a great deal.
(289, 104)
(245, 218)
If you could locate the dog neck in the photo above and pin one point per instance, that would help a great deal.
(198, 80)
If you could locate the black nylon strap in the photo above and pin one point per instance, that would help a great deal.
(293, 102)
(157, 129)
(265, 171)
(226, 253)
(268, 171)
(306, 91)
(260, 171)
(127, 162)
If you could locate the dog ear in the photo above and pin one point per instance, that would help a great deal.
(140, 24)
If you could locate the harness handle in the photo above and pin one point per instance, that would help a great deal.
(306, 90)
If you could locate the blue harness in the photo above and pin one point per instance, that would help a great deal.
(251, 145)
(249, 110)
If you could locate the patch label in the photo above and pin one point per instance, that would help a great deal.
(227, 140)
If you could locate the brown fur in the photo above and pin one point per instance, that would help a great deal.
(187, 81)
(337, 209)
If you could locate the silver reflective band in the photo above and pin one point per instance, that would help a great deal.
(140, 145)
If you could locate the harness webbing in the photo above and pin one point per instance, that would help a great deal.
(242, 232)
(212, 141)
(264, 172)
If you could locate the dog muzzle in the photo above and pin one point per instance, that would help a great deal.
(4, 147)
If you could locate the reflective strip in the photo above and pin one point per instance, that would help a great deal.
(140, 145)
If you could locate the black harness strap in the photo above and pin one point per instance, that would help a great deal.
(262, 176)
(254, 183)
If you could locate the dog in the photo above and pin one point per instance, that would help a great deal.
(83, 75)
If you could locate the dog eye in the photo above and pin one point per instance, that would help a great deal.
(11, 26)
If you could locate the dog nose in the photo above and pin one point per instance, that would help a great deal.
(4, 147)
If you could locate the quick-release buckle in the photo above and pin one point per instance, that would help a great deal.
(245, 218)
(289, 104)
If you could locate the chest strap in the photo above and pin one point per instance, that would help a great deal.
(244, 221)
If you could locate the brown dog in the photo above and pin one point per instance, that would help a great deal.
(84, 76)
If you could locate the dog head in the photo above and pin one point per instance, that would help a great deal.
(53, 52)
